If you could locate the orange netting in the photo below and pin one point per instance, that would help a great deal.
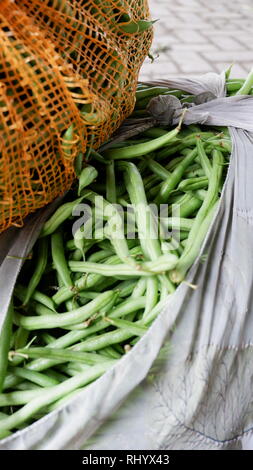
(68, 76)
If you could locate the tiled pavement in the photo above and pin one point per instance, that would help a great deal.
(198, 36)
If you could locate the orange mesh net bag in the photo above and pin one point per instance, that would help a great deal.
(68, 74)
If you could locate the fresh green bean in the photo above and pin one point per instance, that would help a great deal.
(99, 256)
(191, 251)
(247, 85)
(138, 150)
(151, 294)
(21, 338)
(64, 319)
(51, 395)
(139, 288)
(59, 260)
(36, 377)
(60, 215)
(39, 269)
(198, 230)
(61, 355)
(158, 169)
(43, 299)
(107, 339)
(110, 352)
(5, 339)
(175, 177)
(126, 307)
(132, 327)
(151, 92)
(204, 160)
(192, 184)
(110, 183)
(189, 207)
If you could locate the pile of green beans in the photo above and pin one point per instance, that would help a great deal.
(84, 299)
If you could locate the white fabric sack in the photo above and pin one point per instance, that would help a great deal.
(187, 384)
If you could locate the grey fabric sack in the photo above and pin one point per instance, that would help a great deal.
(187, 384)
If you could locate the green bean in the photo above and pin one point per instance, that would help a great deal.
(173, 163)
(152, 314)
(11, 381)
(150, 92)
(158, 169)
(133, 327)
(51, 395)
(70, 245)
(138, 150)
(21, 337)
(44, 300)
(133, 304)
(189, 255)
(247, 85)
(154, 191)
(149, 243)
(189, 207)
(87, 295)
(106, 339)
(224, 145)
(125, 288)
(200, 224)
(99, 256)
(55, 374)
(46, 337)
(200, 194)
(72, 368)
(175, 177)
(192, 184)
(114, 228)
(60, 215)
(59, 260)
(194, 172)
(110, 183)
(234, 84)
(64, 400)
(167, 151)
(87, 176)
(36, 377)
(126, 307)
(64, 319)
(26, 385)
(18, 398)
(110, 352)
(5, 339)
(99, 157)
(142, 269)
(61, 355)
(40, 297)
(136, 292)
(149, 181)
(119, 270)
(139, 288)
(42, 310)
(204, 160)
(39, 269)
(178, 223)
(77, 255)
(151, 294)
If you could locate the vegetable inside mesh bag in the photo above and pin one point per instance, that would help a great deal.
(187, 383)
(68, 74)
